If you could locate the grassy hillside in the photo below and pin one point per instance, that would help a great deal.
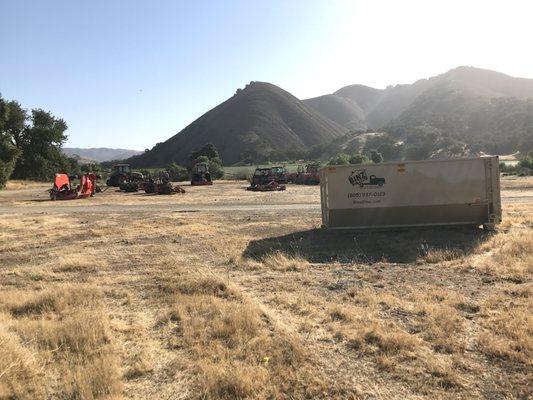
(466, 109)
(342, 110)
(461, 112)
(258, 121)
(455, 109)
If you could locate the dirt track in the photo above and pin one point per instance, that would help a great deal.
(221, 197)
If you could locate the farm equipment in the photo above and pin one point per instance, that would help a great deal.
(63, 190)
(161, 185)
(267, 179)
(200, 175)
(122, 173)
(306, 176)
(130, 186)
(277, 174)
(281, 174)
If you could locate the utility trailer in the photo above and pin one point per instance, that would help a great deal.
(413, 193)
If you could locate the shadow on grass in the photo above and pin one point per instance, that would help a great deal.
(399, 246)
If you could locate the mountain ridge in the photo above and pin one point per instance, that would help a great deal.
(264, 122)
(100, 154)
(259, 120)
(381, 106)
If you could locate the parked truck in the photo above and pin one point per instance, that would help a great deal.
(414, 193)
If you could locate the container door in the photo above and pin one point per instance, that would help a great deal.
(324, 198)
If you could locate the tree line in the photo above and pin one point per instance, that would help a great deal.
(207, 154)
(30, 144)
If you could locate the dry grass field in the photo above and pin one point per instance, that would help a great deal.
(226, 294)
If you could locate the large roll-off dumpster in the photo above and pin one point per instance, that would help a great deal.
(412, 193)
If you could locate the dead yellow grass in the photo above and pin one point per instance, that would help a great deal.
(20, 184)
(508, 328)
(412, 347)
(148, 306)
(20, 372)
(59, 300)
(509, 254)
(67, 344)
(235, 350)
(435, 256)
(281, 262)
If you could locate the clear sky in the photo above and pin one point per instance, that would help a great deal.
(133, 73)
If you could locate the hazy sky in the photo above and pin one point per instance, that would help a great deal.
(133, 73)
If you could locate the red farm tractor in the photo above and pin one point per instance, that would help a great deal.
(306, 176)
(268, 179)
(200, 175)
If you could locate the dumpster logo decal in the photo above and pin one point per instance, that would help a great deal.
(360, 178)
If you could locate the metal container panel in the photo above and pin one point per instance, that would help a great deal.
(462, 191)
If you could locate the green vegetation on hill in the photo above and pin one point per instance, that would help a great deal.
(259, 122)
(464, 111)
(343, 111)
(524, 166)
(496, 125)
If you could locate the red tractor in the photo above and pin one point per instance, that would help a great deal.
(268, 179)
(161, 185)
(200, 175)
(63, 190)
(306, 176)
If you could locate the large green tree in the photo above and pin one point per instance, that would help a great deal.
(9, 122)
(40, 142)
(209, 154)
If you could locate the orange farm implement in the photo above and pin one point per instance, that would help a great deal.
(63, 189)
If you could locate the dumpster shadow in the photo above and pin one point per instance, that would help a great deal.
(399, 246)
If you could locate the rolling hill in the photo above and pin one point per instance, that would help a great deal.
(485, 109)
(463, 111)
(375, 108)
(259, 120)
(342, 110)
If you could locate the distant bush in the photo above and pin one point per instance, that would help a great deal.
(524, 167)
(340, 159)
(359, 158)
(527, 161)
(376, 157)
(344, 159)
(177, 173)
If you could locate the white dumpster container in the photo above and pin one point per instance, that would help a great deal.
(413, 193)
